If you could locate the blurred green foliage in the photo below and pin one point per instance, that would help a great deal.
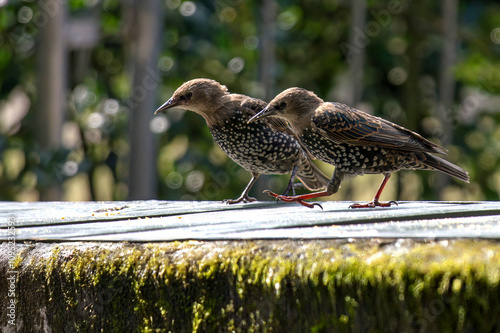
(220, 40)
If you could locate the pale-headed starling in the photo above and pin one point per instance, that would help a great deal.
(262, 147)
(355, 142)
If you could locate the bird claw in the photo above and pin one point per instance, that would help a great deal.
(279, 197)
(292, 199)
(244, 199)
(373, 204)
(272, 194)
(309, 205)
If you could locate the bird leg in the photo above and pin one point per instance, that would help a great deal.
(332, 187)
(295, 198)
(244, 196)
(290, 182)
(375, 202)
(292, 186)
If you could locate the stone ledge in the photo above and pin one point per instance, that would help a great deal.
(255, 286)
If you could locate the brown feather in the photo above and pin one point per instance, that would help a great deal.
(343, 124)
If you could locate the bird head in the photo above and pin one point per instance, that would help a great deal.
(198, 95)
(294, 105)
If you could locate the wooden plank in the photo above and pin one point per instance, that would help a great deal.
(146, 221)
(46, 213)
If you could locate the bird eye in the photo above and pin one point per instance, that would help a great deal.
(282, 105)
(186, 97)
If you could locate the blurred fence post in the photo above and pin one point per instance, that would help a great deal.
(356, 70)
(267, 69)
(51, 83)
(356, 66)
(447, 78)
(146, 32)
(268, 11)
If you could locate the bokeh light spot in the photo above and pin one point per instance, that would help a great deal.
(159, 124)
(495, 35)
(251, 42)
(195, 180)
(236, 65)
(111, 106)
(187, 8)
(83, 96)
(397, 76)
(397, 46)
(173, 4)
(287, 20)
(24, 15)
(95, 120)
(174, 180)
(70, 168)
(475, 140)
(228, 14)
(165, 63)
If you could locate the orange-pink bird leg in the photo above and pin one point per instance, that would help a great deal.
(375, 202)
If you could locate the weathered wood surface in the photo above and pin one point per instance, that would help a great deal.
(147, 221)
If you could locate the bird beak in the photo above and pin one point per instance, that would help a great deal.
(167, 105)
(266, 112)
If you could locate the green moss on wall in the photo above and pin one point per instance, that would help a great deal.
(260, 286)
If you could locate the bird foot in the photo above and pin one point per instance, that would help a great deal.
(286, 198)
(292, 187)
(243, 198)
(373, 204)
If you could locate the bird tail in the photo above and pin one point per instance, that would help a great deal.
(311, 176)
(439, 164)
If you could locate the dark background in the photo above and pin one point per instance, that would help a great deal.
(80, 80)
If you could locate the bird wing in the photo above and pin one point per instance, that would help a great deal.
(343, 124)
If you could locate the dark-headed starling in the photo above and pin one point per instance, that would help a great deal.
(353, 141)
(262, 147)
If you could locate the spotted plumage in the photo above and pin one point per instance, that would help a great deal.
(262, 147)
(256, 148)
(355, 142)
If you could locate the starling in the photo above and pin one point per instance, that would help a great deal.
(355, 142)
(262, 147)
